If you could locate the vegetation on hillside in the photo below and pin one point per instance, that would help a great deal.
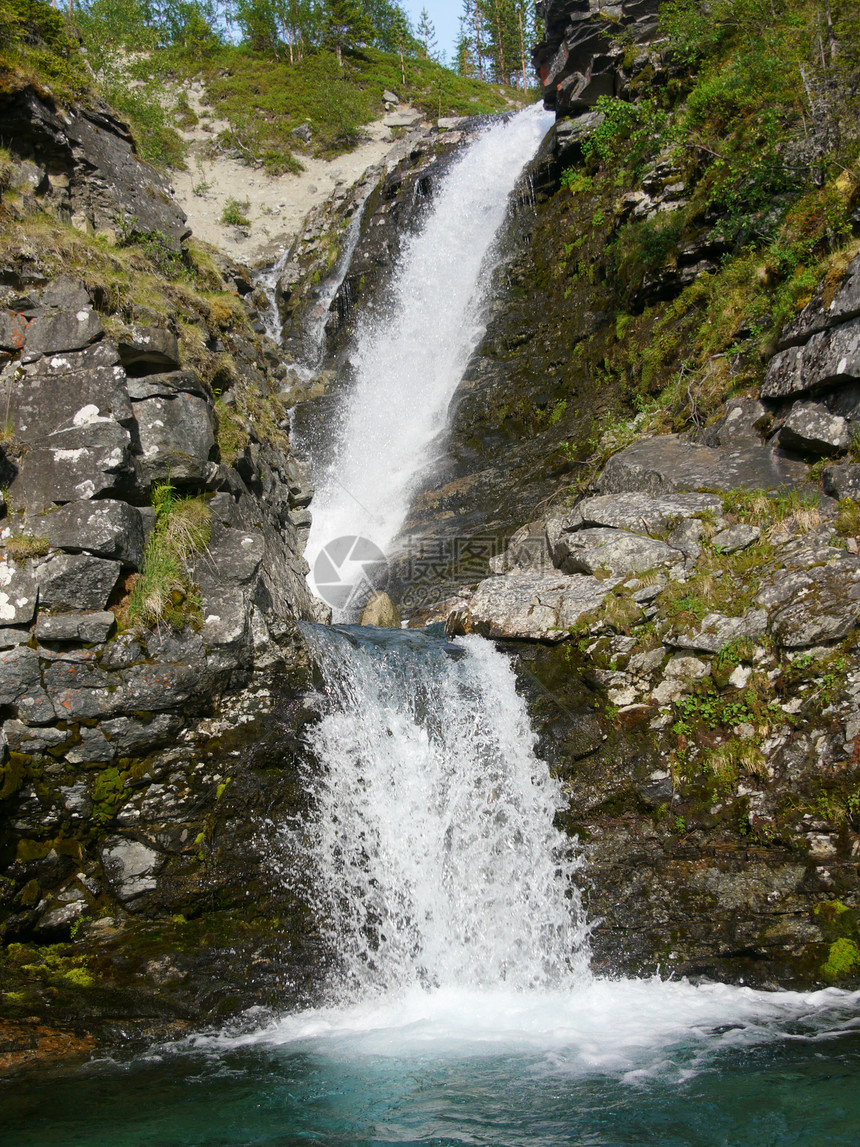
(265, 67)
(757, 120)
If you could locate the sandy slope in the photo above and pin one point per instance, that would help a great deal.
(277, 205)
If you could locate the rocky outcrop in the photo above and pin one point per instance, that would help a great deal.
(121, 799)
(580, 59)
(699, 700)
(82, 160)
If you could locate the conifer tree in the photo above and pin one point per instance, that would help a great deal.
(426, 34)
(345, 25)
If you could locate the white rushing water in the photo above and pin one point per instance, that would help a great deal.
(409, 360)
(449, 897)
(435, 859)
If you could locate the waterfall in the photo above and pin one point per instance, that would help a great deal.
(409, 356)
(435, 860)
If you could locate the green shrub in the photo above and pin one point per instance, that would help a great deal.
(235, 212)
(162, 592)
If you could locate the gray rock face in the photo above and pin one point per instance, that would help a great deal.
(93, 151)
(106, 528)
(842, 481)
(130, 866)
(13, 330)
(528, 605)
(66, 331)
(176, 436)
(830, 358)
(21, 685)
(819, 314)
(735, 538)
(18, 592)
(811, 428)
(717, 630)
(667, 464)
(69, 391)
(641, 513)
(166, 385)
(614, 551)
(91, 628)
(744, 421)
(825, 606)
(71, 465)
(76, 581)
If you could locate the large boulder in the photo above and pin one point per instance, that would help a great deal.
(536, 606)
(176, 436)
(76, 581)
(107, 528)
(667, 464)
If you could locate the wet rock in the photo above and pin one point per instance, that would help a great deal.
(810, 428)
(76, 581)
(381, 610)
(668, 464)
(18, 592)
(92, 628)
(106, 528)
(614, 551)
(130, 866)
(149, 350)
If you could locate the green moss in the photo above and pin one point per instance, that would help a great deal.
(843, 959)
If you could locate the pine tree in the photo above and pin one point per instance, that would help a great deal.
(426, 34)
(345, 25)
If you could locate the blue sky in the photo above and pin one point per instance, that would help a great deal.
(445, 15)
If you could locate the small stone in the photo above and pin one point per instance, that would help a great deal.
(130, 866)
(739, 676)
(735, 538)
(381, 611)
(691, 667)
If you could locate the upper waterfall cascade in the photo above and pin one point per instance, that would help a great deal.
(409, 356)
